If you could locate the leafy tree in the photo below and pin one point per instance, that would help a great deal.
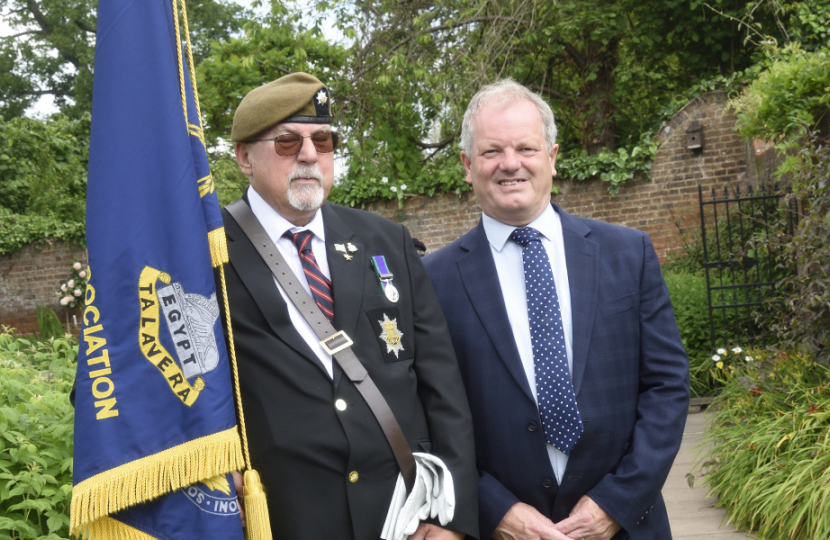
(51, 47)
(791, 98)
(43, 166)
(609, 69)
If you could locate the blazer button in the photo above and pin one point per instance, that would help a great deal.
(547, 483)
(340, 404)
(532, 426)
(353, 477)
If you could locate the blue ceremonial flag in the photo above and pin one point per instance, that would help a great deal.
(155, 427)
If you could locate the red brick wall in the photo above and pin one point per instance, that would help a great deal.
(665, 207)
(30, 278)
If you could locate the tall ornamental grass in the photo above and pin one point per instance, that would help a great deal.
(769, 457)
(36, 427)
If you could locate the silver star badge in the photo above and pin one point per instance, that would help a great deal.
(322, 97)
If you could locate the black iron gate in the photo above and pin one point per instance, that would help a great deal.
(740, 272)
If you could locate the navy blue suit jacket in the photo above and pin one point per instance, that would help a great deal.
(630, 374)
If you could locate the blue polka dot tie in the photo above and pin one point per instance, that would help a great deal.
(317, 281)
(554, 389)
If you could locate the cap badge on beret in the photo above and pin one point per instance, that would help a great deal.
(320, 101)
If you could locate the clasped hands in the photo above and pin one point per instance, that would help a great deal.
(586, 521)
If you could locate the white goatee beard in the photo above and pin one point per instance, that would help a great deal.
(304, 197)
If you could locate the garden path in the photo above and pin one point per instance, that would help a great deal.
(692, 512)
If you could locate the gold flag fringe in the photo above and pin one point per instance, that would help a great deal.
(218, 247)
(257, 521)
(112, 529)
(153, 476)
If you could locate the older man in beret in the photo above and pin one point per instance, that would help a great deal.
(328, 469)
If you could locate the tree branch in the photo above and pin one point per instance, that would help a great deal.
(439, 145)
(26, 33)
(574, 53)
(551, 92)
(432, 29)
(85, 27)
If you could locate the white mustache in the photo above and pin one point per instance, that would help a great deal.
(306, 171)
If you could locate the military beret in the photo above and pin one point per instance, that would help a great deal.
(298, 97)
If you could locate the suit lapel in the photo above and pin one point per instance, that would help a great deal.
(259, 281)
(347, 276)
(481, 282)
(582, 256)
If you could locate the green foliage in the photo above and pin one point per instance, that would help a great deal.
(615, 168)
(229, 180)
(43, 190)
(688, 296)
(769, 442)
(48, 323)
(790, 98)
(36, 427)
(800, 315)
(17, 231)
(43, 165)
(50, 46)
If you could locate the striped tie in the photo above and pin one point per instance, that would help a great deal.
(317, 281)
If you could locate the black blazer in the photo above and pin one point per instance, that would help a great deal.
(306, 449)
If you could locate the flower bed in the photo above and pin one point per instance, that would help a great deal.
(769, 444)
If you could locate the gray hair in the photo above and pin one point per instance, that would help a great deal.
(505, 92)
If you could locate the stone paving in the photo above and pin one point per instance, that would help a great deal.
(692, 513)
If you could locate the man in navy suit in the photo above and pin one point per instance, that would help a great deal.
(622, 358)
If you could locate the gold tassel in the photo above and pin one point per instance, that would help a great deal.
(153, 476)
(218, 247)
(108, 528)
(257, 522)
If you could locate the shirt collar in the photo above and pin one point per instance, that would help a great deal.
(498, 233)
(276, 225)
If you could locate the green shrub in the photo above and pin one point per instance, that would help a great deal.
(799, 315)
(789, 98)
(48, 323)
(36, 427)
(688, 296)
(769, 442)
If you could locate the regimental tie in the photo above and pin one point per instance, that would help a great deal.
(317, 281)
(554, 389)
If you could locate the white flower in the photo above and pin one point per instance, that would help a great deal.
(63, 287)
(403, 187)
(384, 180)
(76, 266)
(77, 292)
(716, 358)
(721, 351)
(65, 300)
(393, 189)
(749, 359)
(737, 350)
(82, 274)
(70, 283)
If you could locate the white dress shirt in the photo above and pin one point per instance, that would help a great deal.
(276, 225)
(510, 267)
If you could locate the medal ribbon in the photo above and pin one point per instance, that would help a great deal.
(382, 271)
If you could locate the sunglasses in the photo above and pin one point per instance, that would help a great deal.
(290, 144)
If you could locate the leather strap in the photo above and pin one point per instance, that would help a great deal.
(337, 343)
